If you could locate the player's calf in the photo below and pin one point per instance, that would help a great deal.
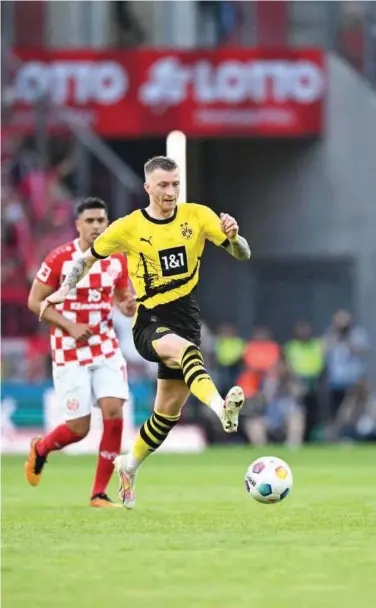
(178, 352)
(198, 380)
(171, 396)
(109, 449)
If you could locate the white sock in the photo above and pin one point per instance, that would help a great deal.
(132, 464)
(216, 404)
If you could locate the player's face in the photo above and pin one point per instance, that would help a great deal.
(91, 223)
(163, 188)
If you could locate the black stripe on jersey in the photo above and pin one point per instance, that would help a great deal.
(96, 255)
(151, 291)
(225, 243)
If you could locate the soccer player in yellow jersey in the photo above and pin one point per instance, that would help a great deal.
(164, 244)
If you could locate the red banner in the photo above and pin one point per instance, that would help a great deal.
(250, 92)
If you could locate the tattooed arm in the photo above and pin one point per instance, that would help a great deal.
(78, 271)
(237, 246)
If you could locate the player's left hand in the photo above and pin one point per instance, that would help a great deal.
(229, 225)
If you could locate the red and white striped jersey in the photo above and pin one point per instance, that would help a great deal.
(91, 302)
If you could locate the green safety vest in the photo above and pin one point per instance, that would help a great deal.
(229, 350)
(305, 358)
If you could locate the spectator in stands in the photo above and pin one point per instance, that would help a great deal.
(42, 186)
(229, 350)
(261, 353)
(346, 348)
(276, 413)
(305, 356)
(23, 158)
(260, 356)
(356, 417)
(14, 232)
(37, 216)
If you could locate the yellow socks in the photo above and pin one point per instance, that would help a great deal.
(195, 375)
(152, 434)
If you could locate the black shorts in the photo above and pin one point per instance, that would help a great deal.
(144, 334)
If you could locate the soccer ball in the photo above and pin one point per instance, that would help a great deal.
(268, 479)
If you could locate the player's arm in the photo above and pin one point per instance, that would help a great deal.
(224, 232)
(107, 243)
(40, 292)
(125, 301)
(124, 297)
(237, 245)
(80, 267)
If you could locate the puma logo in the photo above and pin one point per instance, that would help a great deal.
(147, 240)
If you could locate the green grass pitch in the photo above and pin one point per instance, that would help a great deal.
(195, 540)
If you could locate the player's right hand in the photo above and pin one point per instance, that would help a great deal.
(55, 298)
(80, 332)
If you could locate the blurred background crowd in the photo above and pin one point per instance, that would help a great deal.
(300, 337)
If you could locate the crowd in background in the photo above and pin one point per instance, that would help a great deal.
(37, 215)
(311, 388)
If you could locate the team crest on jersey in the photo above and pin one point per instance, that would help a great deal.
(186, 231)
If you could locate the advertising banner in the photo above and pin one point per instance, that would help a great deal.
(31, 409)
(211, 93)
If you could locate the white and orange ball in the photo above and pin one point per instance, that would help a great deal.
(268, 480)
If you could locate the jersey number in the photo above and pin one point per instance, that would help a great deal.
(173, 261)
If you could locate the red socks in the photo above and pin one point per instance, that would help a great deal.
(108, 450)
(57, 439)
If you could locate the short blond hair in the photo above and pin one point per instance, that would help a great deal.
(159, 162)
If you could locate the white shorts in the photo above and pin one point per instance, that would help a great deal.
(78, 388)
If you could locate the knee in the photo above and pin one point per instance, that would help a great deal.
(170, 348)
(171, 399)
(111, 408)
(181, 347)
(113, 412)
(170, 407)
(80, 426)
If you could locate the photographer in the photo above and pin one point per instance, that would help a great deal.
(346, 350)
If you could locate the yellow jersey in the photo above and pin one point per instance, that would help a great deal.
(164, 257)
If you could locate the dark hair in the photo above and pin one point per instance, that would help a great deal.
(160, 162)
(91, 202)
